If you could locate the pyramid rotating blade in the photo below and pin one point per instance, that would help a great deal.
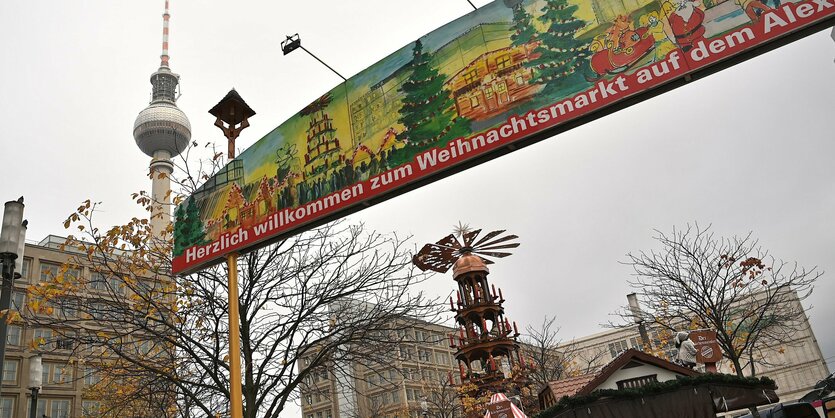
(492, 254)
(487, 237)
(498, 247)
(449, 241)
(497, 241)
(469, 237)
(436, 258)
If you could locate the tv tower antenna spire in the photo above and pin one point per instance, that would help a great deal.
(165, 18)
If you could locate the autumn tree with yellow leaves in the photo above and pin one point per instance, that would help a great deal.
(698, 280)
(335, 296)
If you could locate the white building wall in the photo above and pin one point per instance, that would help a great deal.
(663, 375)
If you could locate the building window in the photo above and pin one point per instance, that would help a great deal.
(6, 407)
(57, 374)
(474, 101)
(143, 289)
(617, 347)
(637, 382)
(18, 300)
(10, 371)
(64, 342)
(503, 62)
(66, 308)
(54, 408)
(49, 271)
(91, 376)
(470, 76)
(25, 269)
(98, 310)
(42, 337)
(406, 353)
(73, 274)
(117, 285)
(90, 409)
(13, 335)
(97, 282)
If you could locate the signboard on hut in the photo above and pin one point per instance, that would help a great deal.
(707, 347)
(500, 409)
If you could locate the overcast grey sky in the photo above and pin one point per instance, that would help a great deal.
(748, 149)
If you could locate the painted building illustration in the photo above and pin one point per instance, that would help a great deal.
(323, 150)
(494, 82)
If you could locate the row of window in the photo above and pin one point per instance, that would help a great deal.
(54, 374)
(618, 347)
(392, 376)
(98, 282)
(53, 408)
(49, 339)
(316, 398)
(426, 356)
(43, 337)
(385, 398)
(422, 336)
(321, 414)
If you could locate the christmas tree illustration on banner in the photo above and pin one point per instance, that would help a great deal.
(561, 55)
(428, 112)
(188, 228)
(523, 30)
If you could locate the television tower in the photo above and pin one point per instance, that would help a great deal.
(162, 131)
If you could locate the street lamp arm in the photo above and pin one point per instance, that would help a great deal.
(293, 42)
(323, 62)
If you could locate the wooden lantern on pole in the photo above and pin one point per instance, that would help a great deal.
(233, 115)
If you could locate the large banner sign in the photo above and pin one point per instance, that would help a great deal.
(502, 76)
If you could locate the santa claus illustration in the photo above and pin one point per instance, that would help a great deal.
(686, 24)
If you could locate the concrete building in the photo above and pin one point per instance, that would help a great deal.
(796, 365)
(64, 380)
(427, 362)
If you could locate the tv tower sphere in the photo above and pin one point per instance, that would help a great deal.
(162, 126)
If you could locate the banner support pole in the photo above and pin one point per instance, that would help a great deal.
(235, 395)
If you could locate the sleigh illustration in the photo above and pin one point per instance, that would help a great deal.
(612, 58)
